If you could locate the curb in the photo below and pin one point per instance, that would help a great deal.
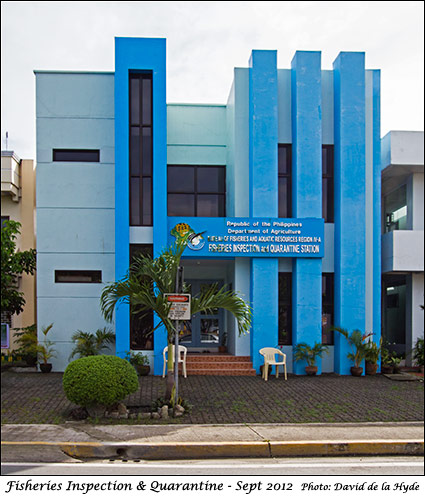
(212, 450)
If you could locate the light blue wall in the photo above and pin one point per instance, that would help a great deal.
(75, 202)
(139, 54)
(350, 191)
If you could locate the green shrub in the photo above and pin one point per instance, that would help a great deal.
(99, 380)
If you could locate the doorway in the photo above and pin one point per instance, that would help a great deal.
(203, 331)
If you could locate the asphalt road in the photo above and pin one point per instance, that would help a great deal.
(347, 466)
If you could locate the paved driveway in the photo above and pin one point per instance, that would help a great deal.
(39, 398)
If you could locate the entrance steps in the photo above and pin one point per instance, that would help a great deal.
(219, 365)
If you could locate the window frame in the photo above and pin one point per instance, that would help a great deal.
(288, 176)
(329, 177)
(221, 195)
(145, 209)
(287, 303)
(78, 158)
(94, 273)
(328, 306)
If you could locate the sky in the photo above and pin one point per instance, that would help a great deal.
(205, 41)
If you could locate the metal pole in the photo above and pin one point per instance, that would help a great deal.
(179, 289)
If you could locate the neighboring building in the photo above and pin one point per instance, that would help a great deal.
(281, 184)
(403, 239)
(18, 204)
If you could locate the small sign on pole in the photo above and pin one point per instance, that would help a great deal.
(180, 306)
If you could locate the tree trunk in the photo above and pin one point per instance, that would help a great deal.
(170, 373)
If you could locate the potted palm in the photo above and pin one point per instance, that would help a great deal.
(357, 342)
(304, 352)
(222, 348)
(45, 351)
(140, 362)
(372, 357)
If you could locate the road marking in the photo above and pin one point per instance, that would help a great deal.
(227, 465)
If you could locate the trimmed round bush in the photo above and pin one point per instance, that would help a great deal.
(99, 380)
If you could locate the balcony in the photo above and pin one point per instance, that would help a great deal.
(10, 175)
(403, 250)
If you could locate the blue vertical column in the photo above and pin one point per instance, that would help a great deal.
(306, 97)
(263, 133)
(139, 54)
(376, 206)
(350, 198)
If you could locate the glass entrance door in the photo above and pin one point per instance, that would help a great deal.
(203, 330)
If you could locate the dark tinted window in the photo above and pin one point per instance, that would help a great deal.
(76, 276)
(327, 308)
(141, 323)
(285, 308)
(141, 145)
(328, 183)
(284, 180)
(75, 155)
(197, 191)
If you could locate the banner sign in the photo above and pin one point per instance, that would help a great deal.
(180, 306)
(249, 237)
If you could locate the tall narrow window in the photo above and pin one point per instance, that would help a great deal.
(328, 183)
(285, 308)
(327, 308)
(141, 323)
(140, 152)
(284, 180)
(396, 210)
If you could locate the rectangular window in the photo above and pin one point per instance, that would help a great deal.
(328, 183)
(75, 155)
(4, 219)
(141, 323)
(76, 276)
(196, 191)
(395, 205)
(284, 180)
(285, 308)
(140, 148)
(327, 308)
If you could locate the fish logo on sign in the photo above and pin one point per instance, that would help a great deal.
(195, 241)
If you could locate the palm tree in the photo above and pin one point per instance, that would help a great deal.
(145, 285)
(87, 344)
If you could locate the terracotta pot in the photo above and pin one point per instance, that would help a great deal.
(371, 368)
(45, 368)
(222, 349)
(311, 370)
(356, 371)
(386, 369)
(143, 370)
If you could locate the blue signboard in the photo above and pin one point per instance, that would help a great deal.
(249, 237)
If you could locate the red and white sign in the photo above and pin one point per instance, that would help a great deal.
(180, 306)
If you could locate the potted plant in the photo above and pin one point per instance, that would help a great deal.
(140, 362)
(357, 342)
(222, 348)
(45, 351)
(27, 342)
(372, 357)
(418, 353)
(88, 344)
(304, 352)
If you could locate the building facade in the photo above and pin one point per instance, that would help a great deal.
(18, 204)
(403, 239)
(280, 189)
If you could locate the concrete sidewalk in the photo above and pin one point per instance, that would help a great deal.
(59, 443)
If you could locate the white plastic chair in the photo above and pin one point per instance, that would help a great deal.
(182, 359)
(269, 354)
